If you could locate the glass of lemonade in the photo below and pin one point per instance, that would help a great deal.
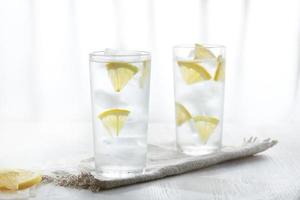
(120, 96)
(199, 72)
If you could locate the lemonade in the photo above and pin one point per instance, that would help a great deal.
(199, 73)
(120, 95)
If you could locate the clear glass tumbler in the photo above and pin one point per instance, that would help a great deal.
(120, 96)
(199, 73)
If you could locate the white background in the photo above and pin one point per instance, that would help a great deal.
(44, 48)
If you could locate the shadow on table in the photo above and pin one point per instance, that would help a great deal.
(235, 164)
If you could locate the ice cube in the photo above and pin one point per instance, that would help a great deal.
(109, 51)
(122, 55)
(191, 54)
(108, 100)
(210, 65)
(200, 99)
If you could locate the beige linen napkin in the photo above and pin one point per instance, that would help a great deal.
(161, 163)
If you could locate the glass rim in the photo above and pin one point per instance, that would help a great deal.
(208, 46)
(127, 53)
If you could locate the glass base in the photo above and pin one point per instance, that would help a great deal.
(198, 150)
(118, 172)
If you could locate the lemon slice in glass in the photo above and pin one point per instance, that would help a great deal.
(205, 126)
(203, 53)
(220, 72)
(182, 114)
(114, 120)
(145, 73)
(120, 73)
(193, 72)
(18, 179)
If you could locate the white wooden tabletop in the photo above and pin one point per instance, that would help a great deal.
(273, 174)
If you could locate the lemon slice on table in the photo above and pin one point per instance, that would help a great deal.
(145, 73)
(182, 114)
(220, 72)
(18, 179)
(193, 72)
(203, 53)
(114, 120)
(205, 126)
(120, 73)
(8, 180)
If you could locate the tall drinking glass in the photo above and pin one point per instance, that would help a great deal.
(120, 96)
(199, 72)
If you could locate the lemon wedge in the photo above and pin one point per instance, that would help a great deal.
(18, 179)
(193, 72)
(145, 73)
(205, 126)
(182, 114)
(203, 53)
(220, 72)
(114, 120)
(120, 73)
